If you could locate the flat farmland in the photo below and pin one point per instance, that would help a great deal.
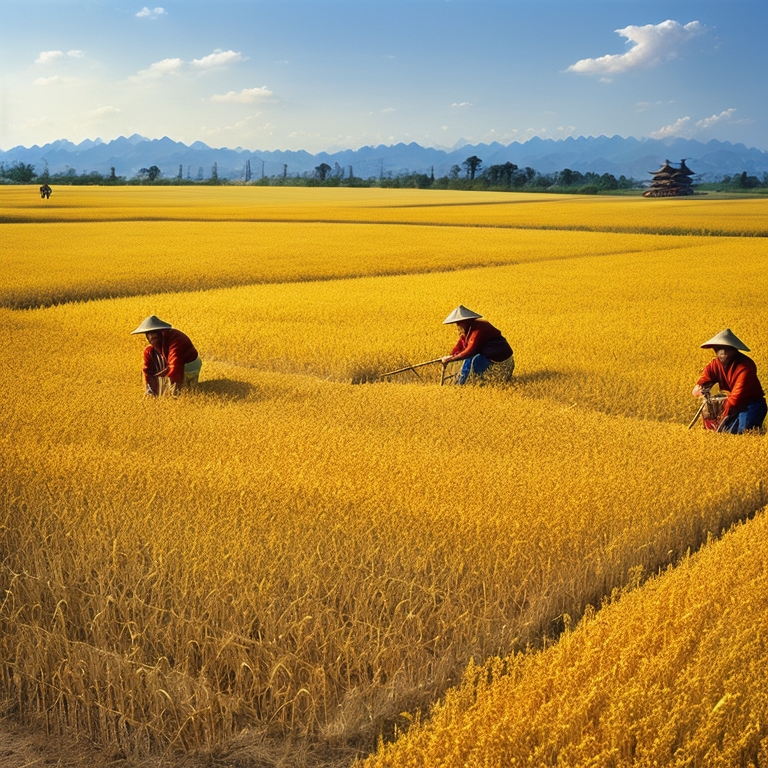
(287, 555)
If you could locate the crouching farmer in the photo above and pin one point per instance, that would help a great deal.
(171, 362)
(736, 374)
(479, 345)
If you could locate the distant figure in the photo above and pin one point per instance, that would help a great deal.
(45, 192)
(736, 374)
(171, 362)
(479, 345)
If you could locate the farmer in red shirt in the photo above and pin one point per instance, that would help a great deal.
(479, 344)
(170, 360)
(736, 374)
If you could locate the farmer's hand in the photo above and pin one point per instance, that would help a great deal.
(445, 360)
(697, 391)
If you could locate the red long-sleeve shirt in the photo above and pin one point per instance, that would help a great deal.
(472, 341)
(739, 379)
(174, 352)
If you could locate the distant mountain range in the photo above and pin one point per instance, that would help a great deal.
(630, 157)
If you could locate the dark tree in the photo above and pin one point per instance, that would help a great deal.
(322, 170)
(569, 178)
(18, 173)
(748, 182)
(500, 175)
(151, 173)
(472, 164)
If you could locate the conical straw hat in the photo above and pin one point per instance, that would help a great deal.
(726, 338)
(459, 314)
(152, 323)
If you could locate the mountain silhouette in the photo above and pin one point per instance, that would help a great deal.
(630, 157)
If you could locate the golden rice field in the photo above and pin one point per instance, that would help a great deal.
(389, 206)
(289, 561)
(671, 674)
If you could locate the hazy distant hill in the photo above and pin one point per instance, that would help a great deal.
(602, 154)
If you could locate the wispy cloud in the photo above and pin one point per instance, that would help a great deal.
(46, 57)
(681, 127)
(161, 69)
(105, 112)
(246, 96)
(175, 66)
(461, 104)
(387, 110)
(218, 58)
(651, 44)
(686, 128)
(151, 13)
(47, 81)
(723, 117)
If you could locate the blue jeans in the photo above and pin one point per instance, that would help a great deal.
(750, 418)
(476, 365)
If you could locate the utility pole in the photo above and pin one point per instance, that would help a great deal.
(247, 170)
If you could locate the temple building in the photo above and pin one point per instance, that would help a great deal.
(671, 182)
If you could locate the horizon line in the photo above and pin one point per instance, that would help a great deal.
(455, 148)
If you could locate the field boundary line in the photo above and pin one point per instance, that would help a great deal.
(74, 298)
(681, 232)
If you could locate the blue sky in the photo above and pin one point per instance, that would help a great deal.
(332, 74)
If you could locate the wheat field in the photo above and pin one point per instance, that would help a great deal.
(286, 554)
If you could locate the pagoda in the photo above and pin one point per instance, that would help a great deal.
(669, 181)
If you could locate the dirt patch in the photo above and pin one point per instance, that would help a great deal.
(24, 748)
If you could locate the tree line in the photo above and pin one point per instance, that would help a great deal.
(470, 175)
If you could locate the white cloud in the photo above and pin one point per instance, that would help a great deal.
(652, 44)
(708, 122)
(151, 13)
(75, 54)
(681, 127)
(54, 80)
(175, 66)
(46, 57)
(246, 96)
(387, 110)
(218, 59)
(161, 68)
(461, 104)
(105, 112)
(686, 128)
